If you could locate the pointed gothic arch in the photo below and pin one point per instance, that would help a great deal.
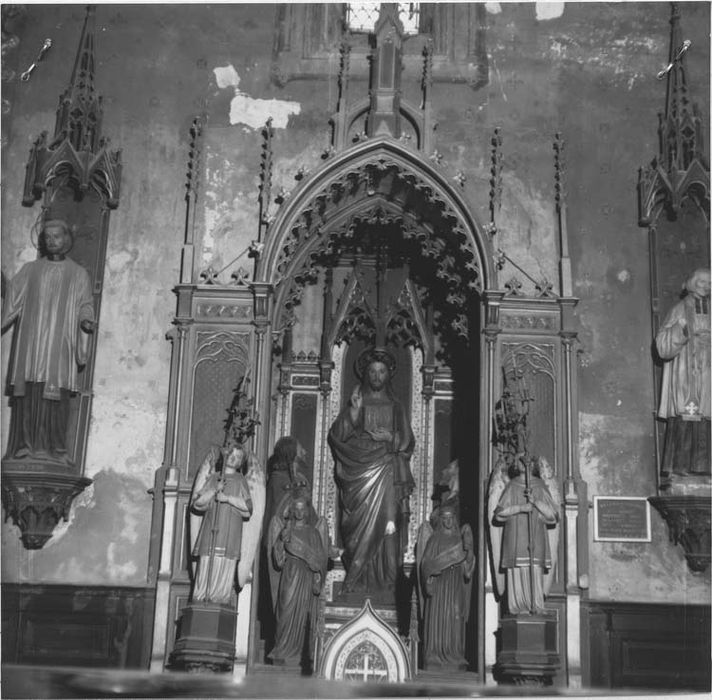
(378, 177)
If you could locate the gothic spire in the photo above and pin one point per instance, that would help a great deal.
(680, 127)
(679, 170)
(80, 108)
(78, 155)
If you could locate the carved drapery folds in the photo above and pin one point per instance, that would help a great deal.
(77, 178)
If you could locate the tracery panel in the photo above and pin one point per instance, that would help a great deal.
(221, 358)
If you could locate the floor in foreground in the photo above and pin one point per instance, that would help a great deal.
(54, 682)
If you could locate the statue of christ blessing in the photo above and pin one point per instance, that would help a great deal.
(372, 443)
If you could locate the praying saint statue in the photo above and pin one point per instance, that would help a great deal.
(299, 548)
(446, 562)
(51, 302)
(523, 511)
(372, 442)
(683, 342)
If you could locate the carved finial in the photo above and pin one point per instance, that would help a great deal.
(265, 188)
(559, 163)
(460, 326)
(436, 157)
(680, 134)
(680, 169)
(344, 66)
(544, 288)
(282, 196)
(80, 111)
(565, 280)
(513, 287)
(426, 82)
(77, 153)
(209, 276)
(495, 192)
(240, 277)
(194, 153)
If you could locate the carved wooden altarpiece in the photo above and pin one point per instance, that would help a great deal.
(377, 245)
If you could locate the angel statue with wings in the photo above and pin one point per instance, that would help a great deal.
(528, 539)
(445, 563)
(298, 545)
(227, 503)
(523, 503)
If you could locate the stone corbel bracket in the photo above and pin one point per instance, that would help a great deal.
(688, 518)
(36, 501)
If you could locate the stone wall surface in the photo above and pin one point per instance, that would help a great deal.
(588, 72)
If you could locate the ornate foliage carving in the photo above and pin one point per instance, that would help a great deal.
(529, 322)
(37, 502)
(230, 311)
(400, 196)
(689, 521)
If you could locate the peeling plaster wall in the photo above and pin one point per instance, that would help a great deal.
(586, 69)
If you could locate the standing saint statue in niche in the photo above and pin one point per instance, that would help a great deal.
(446, 562)
(299, 548)
(372, 442)
(51, 301)
(683, 342)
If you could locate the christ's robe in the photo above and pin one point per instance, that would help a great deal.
(374, 480)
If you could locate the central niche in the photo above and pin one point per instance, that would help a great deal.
(374, 284)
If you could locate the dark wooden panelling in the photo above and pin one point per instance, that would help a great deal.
(77, 625)
(647, 646)
(303, 428)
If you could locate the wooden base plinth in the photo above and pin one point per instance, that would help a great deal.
(206, 639)
(528, 654)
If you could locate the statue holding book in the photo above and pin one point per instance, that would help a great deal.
(372, 443)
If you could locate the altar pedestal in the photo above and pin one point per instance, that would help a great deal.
(529, 653)
(206, 638)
